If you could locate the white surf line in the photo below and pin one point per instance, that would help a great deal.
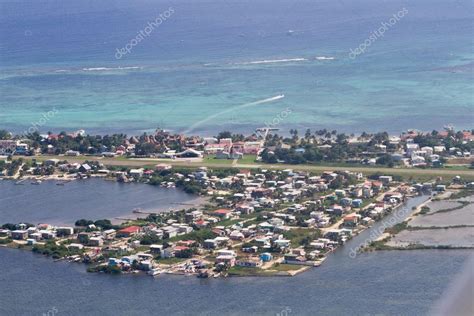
(192, 127)
(271, 61)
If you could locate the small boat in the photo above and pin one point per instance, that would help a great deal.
(20, 182)
(137, 210)
(36, 182)
(154, 272)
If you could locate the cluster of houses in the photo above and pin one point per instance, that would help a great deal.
(411, 153)
(252, 226)
(260, 218)
(409, 149)
(166, 145)
(402, 149)
(283, 196)
(9, 147)
(226, 149)
(34, 234)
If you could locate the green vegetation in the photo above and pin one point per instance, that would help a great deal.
(424, 210)
(246, 159)
(89, 144)
(11, 226)
(104, 268)
(173, 260)
(247, 271)
(461, 194)
(285, 267)
(301, 236)
(276, 269)
(324, 146)
(150, 240)
(462, 205)
(437, 227)
(13, 167)
(101, 223)
(196, 235)
(395, 229)
(4, 134)
(380, 245)
(5, 241)
(50, 248)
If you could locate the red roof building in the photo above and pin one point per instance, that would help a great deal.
(180, 248)
(129, 231)
(223, 213)
(201, 223)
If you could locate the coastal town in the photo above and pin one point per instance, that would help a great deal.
(253, 222)
(228, 158)
(411, 149)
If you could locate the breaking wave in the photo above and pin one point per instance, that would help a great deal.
(272, 61)
(110, 69)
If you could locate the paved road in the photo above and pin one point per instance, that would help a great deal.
(367, 170)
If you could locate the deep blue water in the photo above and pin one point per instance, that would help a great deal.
(196, 64)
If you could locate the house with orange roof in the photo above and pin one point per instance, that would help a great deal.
(351, 220)
(377, 185)
(222, 213)
(129, 231)
(201, 223)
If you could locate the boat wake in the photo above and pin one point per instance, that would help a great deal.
(324, 58)
(242, 106)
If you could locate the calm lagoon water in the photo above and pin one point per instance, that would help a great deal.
(90, 199)
(381, 283)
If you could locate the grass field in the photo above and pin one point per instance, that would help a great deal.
(247, 159)
(173, 260)
(285, 267)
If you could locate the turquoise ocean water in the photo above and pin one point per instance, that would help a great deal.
(211, 56)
